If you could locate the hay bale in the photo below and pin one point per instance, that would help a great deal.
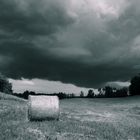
(43, 108)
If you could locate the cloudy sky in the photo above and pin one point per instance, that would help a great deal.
(74, 43)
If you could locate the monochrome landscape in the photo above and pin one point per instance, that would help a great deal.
(69, 70)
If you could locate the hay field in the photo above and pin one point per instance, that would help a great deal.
(80, 119)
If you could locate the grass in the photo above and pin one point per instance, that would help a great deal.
(80, 119)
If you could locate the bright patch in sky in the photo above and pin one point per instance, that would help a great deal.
(101, 7)
(105, 8)
(26, 82)
(119, 84)
(45, 86)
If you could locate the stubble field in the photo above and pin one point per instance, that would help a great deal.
(80, 119)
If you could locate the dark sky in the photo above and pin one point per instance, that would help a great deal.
(87, 43)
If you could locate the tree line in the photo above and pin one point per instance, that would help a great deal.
(106, 92)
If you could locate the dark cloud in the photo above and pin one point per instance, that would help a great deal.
(32, 17)
(84, 45)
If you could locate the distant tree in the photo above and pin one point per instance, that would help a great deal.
(100, 90)
(62, 95)
(101, 93)
(82, 94)
(90, 93)
(26, 94)
(134, 88)
(5, 85)
(123, 92)
(72, 95)
(109, 91)
(32, 93)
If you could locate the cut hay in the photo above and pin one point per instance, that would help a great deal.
(43, 108)
(4, 96)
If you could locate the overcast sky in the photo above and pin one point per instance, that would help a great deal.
(86, 43)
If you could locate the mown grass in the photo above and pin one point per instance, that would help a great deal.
(80, 119)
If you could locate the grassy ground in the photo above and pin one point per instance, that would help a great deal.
(80, 119)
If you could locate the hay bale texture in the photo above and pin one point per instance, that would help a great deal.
(43, 108)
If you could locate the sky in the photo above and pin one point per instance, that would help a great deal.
(45, 86)
(74, 43)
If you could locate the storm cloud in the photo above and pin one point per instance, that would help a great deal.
(84, 42)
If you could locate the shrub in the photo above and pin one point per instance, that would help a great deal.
(5, 85)
(134, 87)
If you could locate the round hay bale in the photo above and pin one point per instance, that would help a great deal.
(43, 108)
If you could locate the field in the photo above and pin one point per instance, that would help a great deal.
(80, 119)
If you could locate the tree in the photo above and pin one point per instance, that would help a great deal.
(109, 91)
(123, 92)
(134, 87)
(5, 85)
(90, 93)
(62, 95)
(82, 94)
(26, 94)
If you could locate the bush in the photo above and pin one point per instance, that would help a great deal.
(5, 85)
(90, 93)
(134, 87)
